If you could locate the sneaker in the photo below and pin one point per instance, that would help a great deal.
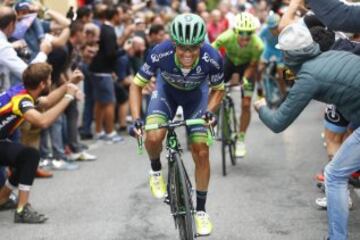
(8, 205)
(240, 151)
(42, 173)
(29, 215)
(100, 136)
(60, 164)
(45, 163)
(322, 202)
(113, 138)
(82, 156)
(86, 136)
(203, 224)
(157, 184)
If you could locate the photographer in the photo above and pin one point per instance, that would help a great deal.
(9, 61)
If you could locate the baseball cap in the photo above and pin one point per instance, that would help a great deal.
(22, 6)
(294, 36)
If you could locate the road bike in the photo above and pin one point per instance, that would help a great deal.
(227, 128)
(179, 187)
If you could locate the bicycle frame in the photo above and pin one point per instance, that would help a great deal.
(179, 184)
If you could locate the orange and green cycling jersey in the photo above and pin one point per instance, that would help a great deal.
(236, 54)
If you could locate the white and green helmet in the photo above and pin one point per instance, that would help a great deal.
(188, 29)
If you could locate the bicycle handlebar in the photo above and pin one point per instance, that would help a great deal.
(174, 124)
(189, 122)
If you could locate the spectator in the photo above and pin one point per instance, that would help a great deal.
(217, 25)
(134, 48)
(10, 63)
(85, 14)
(102, 67)
(24, 160)
(336, 83)
(335, 14)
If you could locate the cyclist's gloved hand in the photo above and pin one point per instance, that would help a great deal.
(246, 84)
(135, 129)
(210, 118)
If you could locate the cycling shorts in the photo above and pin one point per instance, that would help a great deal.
(270, 54)
(230, 69)
(166, 99)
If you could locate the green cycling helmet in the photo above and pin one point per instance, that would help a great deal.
(188, 29)
(245, 22)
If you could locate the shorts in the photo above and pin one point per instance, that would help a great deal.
(166, 99)
(334, 121)
(270, 54)
(121, 94)
(230, 69)
(103, 88)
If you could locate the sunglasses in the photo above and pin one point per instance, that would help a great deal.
(245, 33)
(184, 48)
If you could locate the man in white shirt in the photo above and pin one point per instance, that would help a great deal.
(9, 61)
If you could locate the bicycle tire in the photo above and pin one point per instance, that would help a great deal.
(185, 221)
(223, 137)
(233, 132)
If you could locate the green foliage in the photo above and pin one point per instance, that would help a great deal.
(212, 4)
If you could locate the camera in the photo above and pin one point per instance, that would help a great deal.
(24, 53)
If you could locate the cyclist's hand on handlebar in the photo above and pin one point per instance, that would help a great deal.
(136, 129)
(259, 104)
(246, 84)
(210, 118)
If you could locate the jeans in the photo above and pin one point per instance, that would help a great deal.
(88, 113)
(56, 138)
(337, 172)
(72, 115)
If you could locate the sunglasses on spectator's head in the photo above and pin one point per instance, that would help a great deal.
(245, 33)
(185, 48)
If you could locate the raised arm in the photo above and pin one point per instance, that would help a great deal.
(337, 15)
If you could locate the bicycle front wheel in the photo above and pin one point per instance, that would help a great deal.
(223, 136)
(184, 215)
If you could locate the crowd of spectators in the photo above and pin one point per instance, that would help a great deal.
(107, 41)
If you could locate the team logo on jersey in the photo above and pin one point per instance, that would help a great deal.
(7, 120)
(157, 57)
(188, 18)
(198, 69)
(154, 95)
(208, 59)
(146, 69)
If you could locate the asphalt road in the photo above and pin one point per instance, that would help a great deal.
(268, 195)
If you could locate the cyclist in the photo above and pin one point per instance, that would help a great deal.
(188, 67)
(243, 50)
(16, 105)
(269, 35)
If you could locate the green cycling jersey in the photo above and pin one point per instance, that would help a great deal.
(236, 54)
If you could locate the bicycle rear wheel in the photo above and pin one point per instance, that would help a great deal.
(184, 213)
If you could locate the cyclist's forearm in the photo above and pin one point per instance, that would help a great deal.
(215, 98)
(135, 100)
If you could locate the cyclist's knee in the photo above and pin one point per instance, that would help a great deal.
(246, 104)
(153, 138)
(201, 153)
